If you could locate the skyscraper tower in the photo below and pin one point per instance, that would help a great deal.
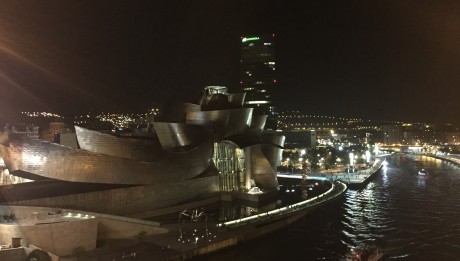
(258, 75)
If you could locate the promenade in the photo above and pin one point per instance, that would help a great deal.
(453, 158)
(188, 239)
(357, 179)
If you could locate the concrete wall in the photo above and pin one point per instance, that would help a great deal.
(58, 238)
(13, 254)
(60, 234)
(27, 214)
(119, 227)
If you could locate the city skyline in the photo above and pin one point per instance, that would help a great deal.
(341, 59)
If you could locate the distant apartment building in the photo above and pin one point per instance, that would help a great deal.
(300, 139)
(331, 130)
(51, 129)
(418, 134)
(31, 131)
(59, 133)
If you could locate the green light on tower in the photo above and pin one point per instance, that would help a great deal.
(248, 39)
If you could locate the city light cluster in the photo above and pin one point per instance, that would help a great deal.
(120, 120)
(41, 114)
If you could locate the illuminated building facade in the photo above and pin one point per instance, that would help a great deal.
(258, 75)
(217, 146)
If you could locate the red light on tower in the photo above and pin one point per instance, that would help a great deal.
(274, 81)
(273, 35)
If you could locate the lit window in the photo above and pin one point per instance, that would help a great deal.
(257, 102)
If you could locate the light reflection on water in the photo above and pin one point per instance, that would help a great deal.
(411, 217)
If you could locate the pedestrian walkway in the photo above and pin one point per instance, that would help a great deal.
(187, 239)
(355, 179)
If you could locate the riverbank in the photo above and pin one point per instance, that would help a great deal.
(353, 180)
(455, 159)
(189, 239)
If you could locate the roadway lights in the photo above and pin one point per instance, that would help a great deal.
(368, 156)
(352, 159)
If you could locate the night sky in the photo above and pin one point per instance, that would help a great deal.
(391, 60)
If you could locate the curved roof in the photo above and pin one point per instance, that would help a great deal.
(143, 149)
(172, 135)
(54, 161)
(249, 139)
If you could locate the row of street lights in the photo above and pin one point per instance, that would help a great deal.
(302, 161)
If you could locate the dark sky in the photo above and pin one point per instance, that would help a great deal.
(392, 60)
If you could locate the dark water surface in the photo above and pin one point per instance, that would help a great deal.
(410, 217)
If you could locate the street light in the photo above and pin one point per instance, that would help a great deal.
(352, 160)
(368, 157)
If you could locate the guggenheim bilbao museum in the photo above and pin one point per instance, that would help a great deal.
(195, 152)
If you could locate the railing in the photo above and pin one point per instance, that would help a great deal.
(336, 190)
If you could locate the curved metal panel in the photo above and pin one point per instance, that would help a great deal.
(273, 155)
(250, 139)
(189, 107)
(275, 139)
(173, 135)
(239, 121)
(236, 99)
(209, 118)
(63, 163)
(122, 147)
(216, 101)
(218, 120)
(258, 122)
(259, 167)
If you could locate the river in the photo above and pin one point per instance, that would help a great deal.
(409, 216)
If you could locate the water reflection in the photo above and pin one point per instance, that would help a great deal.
(411, 218)
(422, 182)
(290, 192)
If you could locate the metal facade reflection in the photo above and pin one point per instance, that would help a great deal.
(217, 133)
(236, 100)
(258, 122)
(54, 161)
(173, 135)
(145, 149)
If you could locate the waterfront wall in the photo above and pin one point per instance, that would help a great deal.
(13, 254)
(446, 158)
(58, 238)
(113, 227)
(131, 200)
(252, 227)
